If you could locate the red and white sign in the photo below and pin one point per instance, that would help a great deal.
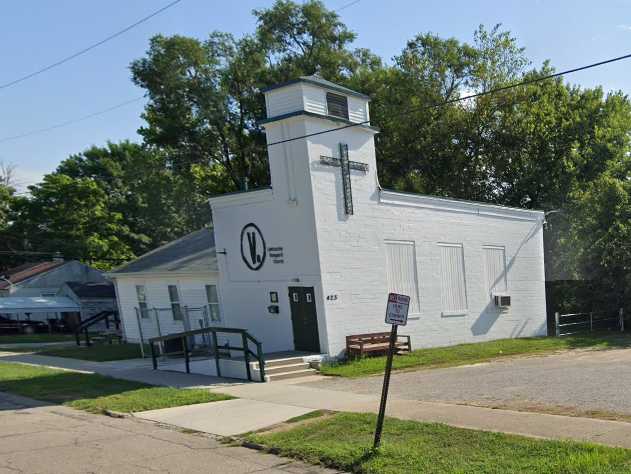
(397, 311)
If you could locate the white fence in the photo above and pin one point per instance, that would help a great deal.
(575, 323)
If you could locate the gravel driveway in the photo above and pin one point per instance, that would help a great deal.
(581, 380)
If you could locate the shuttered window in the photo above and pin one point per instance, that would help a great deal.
(337, 105)
(401, 271)
(495, 269)
(453, 289)
(176, 308)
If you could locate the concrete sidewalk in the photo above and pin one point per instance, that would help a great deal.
(612, 433)
(286, 399)
(53, 439)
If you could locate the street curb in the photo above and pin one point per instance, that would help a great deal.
(116, 414)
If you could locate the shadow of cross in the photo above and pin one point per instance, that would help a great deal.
(346, 165)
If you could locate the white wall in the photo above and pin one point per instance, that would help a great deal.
(285, 217)
(344, 256)
(192, 293)
(353, 256)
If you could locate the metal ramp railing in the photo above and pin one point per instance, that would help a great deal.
(84, 326)
(183, 347)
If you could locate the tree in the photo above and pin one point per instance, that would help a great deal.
(71, 216)
(105, 205)
(7, 192)
(204, 96)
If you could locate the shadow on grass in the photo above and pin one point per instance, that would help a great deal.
(598, 340)
(478, 352)
(59, 387)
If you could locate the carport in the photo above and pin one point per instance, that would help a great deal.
(37, 304)
(23, 307)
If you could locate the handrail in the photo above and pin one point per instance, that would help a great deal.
(213, 330)
(84, 325)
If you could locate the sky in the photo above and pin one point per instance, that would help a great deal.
(35, 33)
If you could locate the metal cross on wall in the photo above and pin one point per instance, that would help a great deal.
(346, 165)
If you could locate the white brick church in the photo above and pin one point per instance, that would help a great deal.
(311, 259)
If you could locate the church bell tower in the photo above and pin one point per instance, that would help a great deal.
(320, 144)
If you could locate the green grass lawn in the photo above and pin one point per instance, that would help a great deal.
(97, 352)
(478, 352)
(344, 441)
(93, 392)
(34, 338)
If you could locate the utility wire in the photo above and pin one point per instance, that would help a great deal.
(349, 4)
(89, 48)
(70, 122)
(462, 98)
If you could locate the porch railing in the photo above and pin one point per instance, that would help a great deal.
(218, 352)
(574, 323)
(149, 320)
(85, 325)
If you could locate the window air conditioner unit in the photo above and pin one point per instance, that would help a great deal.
(501, 301)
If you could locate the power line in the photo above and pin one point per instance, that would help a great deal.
(89, 48)
(70, 122)
(462, 98)
(27, 253)
(350, 4)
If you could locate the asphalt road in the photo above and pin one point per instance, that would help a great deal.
(582, 380)
(55, 439)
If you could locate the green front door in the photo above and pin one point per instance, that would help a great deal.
(304, 319)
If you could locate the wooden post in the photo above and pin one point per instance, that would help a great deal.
(216, 347)
(591, 321)
(187, 359)
(261, 358)
(246, 355)
(557, 331)
(621, 316)
(154, 359)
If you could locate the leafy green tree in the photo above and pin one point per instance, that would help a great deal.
(204, 96)
(71, 216)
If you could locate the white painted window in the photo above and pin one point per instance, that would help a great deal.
(495, 269)
(176, 308)
(453, 289)
(141, 295)
(213, 302)
(401, 271)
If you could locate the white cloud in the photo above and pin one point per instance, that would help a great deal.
(624, 27)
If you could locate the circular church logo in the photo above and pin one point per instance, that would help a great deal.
(253, 250)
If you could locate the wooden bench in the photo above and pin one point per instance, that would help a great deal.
(359, 344)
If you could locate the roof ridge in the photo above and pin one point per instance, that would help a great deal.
(157, 249)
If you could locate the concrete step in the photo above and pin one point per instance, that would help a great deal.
(278, 369)
(277, 362)
(291, 375)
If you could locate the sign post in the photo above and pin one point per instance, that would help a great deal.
(396, 315)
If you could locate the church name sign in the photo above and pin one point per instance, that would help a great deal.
(254, 250)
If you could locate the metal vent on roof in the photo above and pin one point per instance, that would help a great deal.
(337, 105)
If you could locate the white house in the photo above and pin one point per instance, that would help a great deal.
(169, 289)
(311, 259)
(49, 289)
